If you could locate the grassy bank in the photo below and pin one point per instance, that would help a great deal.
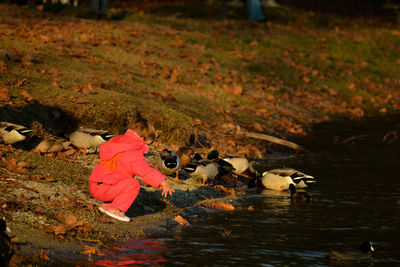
(199, 74)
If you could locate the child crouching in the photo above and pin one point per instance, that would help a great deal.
(121, 158)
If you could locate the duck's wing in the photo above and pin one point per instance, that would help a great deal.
(190, 167)
(92, 131)
(6, 126)
(271, 180)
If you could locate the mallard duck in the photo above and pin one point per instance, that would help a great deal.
(280, 179)
(86, 138)
(203, 169)
(11, 133)
(363, 254)
(51, 144)
(6, 247)
(186, 155)
(298, 196)
(240, 164)
(168, 161)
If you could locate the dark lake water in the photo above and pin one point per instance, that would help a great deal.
(355, 199)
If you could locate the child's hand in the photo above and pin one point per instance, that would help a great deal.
(166, 189)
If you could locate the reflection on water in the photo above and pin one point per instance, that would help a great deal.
(133, 253)
(355, 199)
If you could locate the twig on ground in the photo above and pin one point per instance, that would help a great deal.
(270, 138)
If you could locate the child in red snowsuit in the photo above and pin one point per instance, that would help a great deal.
(121, 158)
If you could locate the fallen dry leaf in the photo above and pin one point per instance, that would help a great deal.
(13, 166)
(27, 60)
(222, 206)
(69, 223)
(3, 66)
(44, 255)
(19, 83)
(179, 219)
(28, 97)
(258, 127)
(229, 191)
(4, 94)
(85, 89)
(91, 250)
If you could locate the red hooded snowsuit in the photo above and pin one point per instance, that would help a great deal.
(121, 158)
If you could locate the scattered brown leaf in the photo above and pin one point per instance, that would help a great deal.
(4, 94)
(179, 219)
(229, 191)
(85, 89)
(43, 255)
(13, 166)
(23, 81)
(94, 250)
(27, 60)
(3, 67)
(222, 206)
(69, 223)
(28, 97)
(258, 127)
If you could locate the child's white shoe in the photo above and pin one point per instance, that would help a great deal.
(115, 213)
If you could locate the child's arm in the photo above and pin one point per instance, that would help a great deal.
(166, 189)
(149, 175)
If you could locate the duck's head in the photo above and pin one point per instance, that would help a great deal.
(213, 154)
(366, 247)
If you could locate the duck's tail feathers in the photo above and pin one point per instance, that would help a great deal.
(306, 179)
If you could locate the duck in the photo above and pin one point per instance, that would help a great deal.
(51, 144)
(298, 196)
(240, 164)
(203, 169)
(169, 162)
(186, 155)
(224, 167)
(6, 246)
(280, 179)
(363, 254)
(12, 133)
(87, 138)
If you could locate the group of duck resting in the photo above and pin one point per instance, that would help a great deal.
(214, 166)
